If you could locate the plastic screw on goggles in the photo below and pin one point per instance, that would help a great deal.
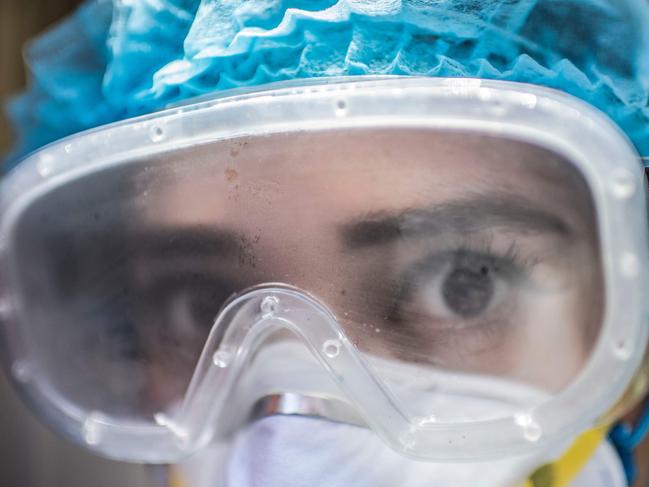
(438, 242)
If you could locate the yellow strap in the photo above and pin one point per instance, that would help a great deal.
(563, 471)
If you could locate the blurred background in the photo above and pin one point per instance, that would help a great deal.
(19, 21)
(30, 454)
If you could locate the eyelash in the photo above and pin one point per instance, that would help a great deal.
(510, 264)
(511, 259)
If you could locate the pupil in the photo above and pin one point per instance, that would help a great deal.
(467, 292)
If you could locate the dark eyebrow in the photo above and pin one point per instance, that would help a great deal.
(454, 217)
(167, 243)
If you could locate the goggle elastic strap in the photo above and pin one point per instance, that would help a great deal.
(626, 438)
(563, 471)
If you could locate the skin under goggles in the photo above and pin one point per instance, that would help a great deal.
(378, 250)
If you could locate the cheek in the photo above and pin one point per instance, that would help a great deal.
(552, 346)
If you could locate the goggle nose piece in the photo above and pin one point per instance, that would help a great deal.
(240, 331)
(272, 299)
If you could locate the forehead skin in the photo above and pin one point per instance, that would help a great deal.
(341, 175)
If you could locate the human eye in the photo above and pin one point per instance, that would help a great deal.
(186, 303)
(464, 290)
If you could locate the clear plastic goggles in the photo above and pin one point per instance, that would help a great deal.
(398, 246)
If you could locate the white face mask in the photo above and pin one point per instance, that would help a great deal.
(298, 451)
(295, 451)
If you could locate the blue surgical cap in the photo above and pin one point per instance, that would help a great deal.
(114, 59)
